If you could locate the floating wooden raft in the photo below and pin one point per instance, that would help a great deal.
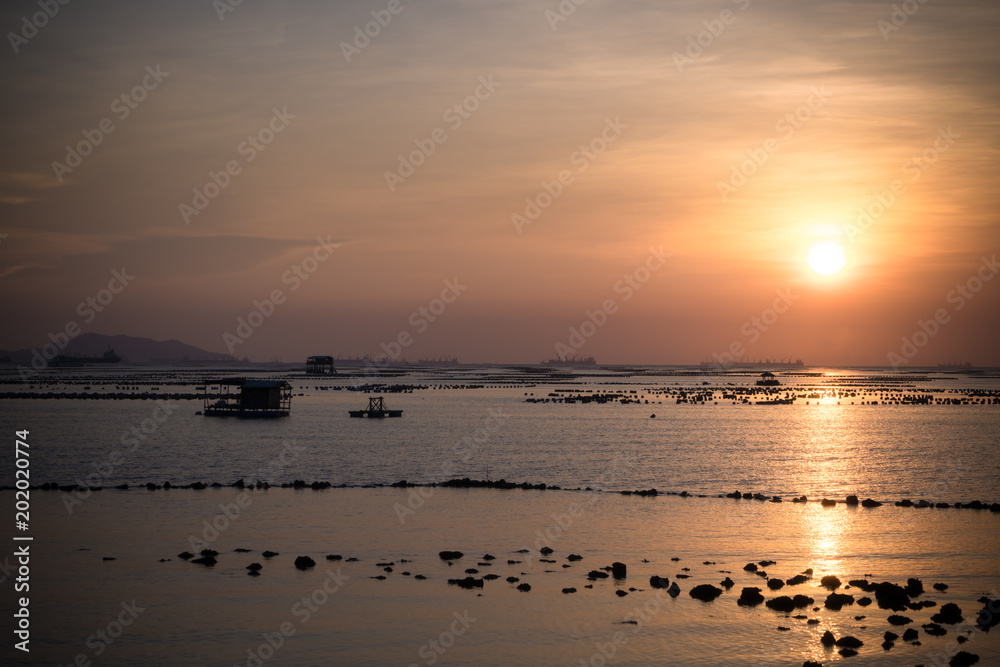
(376, 410)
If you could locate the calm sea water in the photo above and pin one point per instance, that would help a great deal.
(219, 616)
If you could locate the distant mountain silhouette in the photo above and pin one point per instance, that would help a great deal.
(130, 348)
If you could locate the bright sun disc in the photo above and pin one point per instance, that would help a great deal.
(826, 257)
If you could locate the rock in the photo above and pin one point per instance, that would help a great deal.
(851, 500)
(750, 567)
(782, 628)
(450, 555)
(796, 580)
(574, 557)
(705, 592)
(467, 582)
(254, 566)
(782, 603)
(914, 587)
(487, 577)
(847, 652)
(934, 630)
(304, 562)
(185, 555)
(988, 616)
(618, 570)
(524, 588)
(802, 601)
(830, 581)
(910, 634)
(891, 596)
(334, 557)
(826, 502)
(594, 575)
(207, 561)
(109, 558)
(950, 613)
(850, 642)
(419, 576)
(674, 590)
(489, 557)
(940, 587)
(828, 639)
(209, 552)
(868, 502)
(620, 593)
(775, 584)
(658, 582)
(896, 619)
(887, 645)
(963, 659)
(511, 580)
(750, 597)
(545, 551)
(472, 570)
(766, 563)
(269, 554)
(890, 636)
(567, 591)
(810, 663)
(727, 583)
(836, 601)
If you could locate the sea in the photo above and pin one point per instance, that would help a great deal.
(111, 577)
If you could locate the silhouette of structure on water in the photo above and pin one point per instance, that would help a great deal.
(376, 410)
(320, 365)
(239, 397)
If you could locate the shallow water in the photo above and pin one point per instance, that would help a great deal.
(197, 615)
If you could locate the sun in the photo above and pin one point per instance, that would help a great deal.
(826, 258)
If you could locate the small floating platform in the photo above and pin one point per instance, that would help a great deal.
(376, 410)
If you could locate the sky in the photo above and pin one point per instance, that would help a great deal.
(505, 181)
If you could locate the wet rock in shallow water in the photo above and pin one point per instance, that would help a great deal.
(487, 577)
(524, 588)
(988, 616)
(574, 557)
(207, 561)
(836, 601)
(813, 621)
(910, 634)
(810, 663)
(941, 587)
(334, 557)
(489, 557)
(782, 603)
(826, 502)
(950, 613)
(796, 580)
(253, 573)
(887, 645)
(963, 659)
(450, 555)
(775, 584)
(782, 628)
(241, 551)
(891, 596)
(851, 500)
(511, 580)
(847, 652)
(896, 619)
(658, 582)
(750, 567)
(827, 639)
(467, 582)
(269, 554)
(254, 566)
(705, 592)
(674, 590)
(304, 563)
(766, 563)
(618, 570)
(802, 601)
(868, 502)
(890, 636)
(545, 551)
(750, 597)
(594, 575)
(933, 629)
(567, 591)
(185, 555)
(850, 642)
(865, 601)
(914, 587)
(209, 552)
(727, 583)
(620, 593)
(472, 570)
(420, 576)
(830, 581)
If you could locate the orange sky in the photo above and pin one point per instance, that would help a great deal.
(653, 115)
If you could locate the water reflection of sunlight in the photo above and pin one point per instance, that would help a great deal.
(825, 526)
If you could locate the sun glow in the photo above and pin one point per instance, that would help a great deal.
(826, 257)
